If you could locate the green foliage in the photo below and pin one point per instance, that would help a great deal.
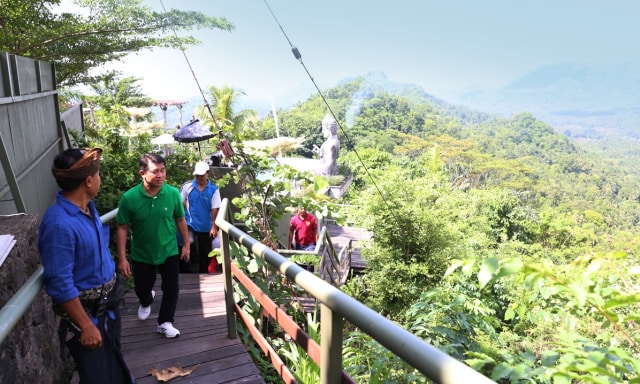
(98, 32)
(530, 214)
(113, 91)
(509, 218)
(119, 165)
(573, 302)
(366, 162)
(410, 245)
(575, 361)
(335, 180)
(367, 361)
(254, 268)
(267, 371)
(220, 114)
(519, 203)
(454, 319)
(305, 259)
(303, 368)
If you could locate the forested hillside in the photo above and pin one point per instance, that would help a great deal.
(520, 153)
(498, 240)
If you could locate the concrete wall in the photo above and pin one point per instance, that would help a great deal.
(32, 352)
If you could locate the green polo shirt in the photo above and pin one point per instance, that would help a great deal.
(152, 221)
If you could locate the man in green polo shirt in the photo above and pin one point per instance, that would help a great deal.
(152, 210)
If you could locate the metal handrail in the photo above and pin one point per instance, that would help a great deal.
(324, 247)
(344, 258)
(18, 305)
(336, 306)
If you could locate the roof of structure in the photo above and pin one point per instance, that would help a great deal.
(165, 103)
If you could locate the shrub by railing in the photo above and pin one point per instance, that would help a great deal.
(335, 306)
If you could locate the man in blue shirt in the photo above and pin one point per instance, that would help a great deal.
(201, 199)
(79, 272)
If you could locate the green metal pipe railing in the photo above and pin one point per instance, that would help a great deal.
(330, 260)
(16, 307)
(337, 306)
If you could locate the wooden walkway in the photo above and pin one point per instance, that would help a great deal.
(340, 236)
(201, 319)
(203, 340)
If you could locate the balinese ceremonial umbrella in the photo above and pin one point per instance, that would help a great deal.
(194, 132)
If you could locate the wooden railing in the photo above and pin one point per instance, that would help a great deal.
(335, 307)
(334, 266)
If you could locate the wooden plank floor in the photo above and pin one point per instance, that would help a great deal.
(340, 236)
(201, 319)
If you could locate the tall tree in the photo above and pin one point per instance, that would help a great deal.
(99, 32)
(222, 102)
(113, 91)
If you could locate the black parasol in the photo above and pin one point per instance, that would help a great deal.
(192, 133)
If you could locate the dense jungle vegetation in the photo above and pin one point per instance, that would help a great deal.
(497, 240)
(500, 241)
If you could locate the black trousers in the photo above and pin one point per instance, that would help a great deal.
(104, 365)
(200, 249)
(144, 278)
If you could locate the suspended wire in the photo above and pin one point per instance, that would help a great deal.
(223, 144)
(298, 56)
(184, 53)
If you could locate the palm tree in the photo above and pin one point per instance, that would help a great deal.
(221, 106)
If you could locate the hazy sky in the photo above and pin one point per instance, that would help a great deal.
(446, 46)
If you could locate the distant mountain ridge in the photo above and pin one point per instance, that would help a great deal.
(576, 99)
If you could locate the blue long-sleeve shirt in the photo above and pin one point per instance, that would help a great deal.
(73, 249)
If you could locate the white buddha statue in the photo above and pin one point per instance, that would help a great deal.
(330, 148)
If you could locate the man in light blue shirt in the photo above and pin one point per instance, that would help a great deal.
(201, 199)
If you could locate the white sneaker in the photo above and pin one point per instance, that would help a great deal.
(168, 330)
(144, 312)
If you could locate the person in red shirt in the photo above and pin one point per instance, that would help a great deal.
(303, 228)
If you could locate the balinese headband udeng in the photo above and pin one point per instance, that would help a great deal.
(86, 166)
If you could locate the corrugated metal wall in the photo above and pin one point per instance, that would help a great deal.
(30, 134)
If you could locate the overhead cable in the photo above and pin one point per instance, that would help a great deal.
(223, 144)
(298, 56)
